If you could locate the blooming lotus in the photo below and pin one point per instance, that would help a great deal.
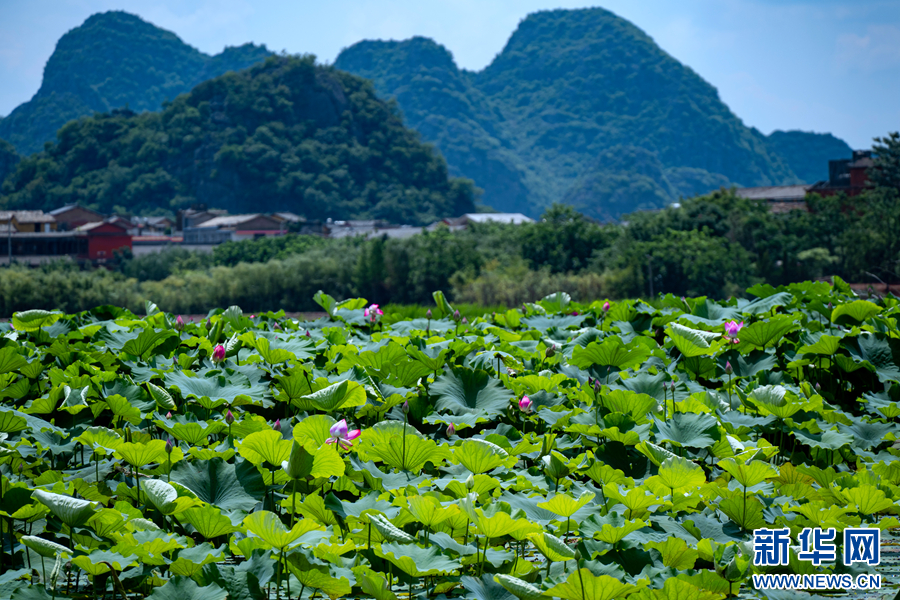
(373, 313)
(341, 435)
(731, 330)
(218, 354)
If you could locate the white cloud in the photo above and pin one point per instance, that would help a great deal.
(877, 49)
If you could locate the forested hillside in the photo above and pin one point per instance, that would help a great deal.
(580, 105)
(283, 135)
(114, 60)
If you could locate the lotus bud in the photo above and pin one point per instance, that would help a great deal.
(229, 418)
(21, 468)
(830, 306)
(405, 407)
(465, 321)
(308, 334)
(728, 369)
(597, 386)
(470, 482)
(428, 314)
(577, 555)
(218, 354)
(818, 387)
(252, 316)
(606, 306)
(179, 323)
(169, 446)
(456, 315)
(276, 326)
(169, 415)
(451, 430)
(277, 425)
(551, 351)
(525, 404)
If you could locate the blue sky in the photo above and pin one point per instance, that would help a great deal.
(816, 65)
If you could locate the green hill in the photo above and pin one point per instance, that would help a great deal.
(560, 111)
(9, 158)
(282, 135)
(807, 153)
(114, 60)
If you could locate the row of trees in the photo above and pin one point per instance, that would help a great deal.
(715, 245)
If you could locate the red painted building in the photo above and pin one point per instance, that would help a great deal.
(847, 176)
(104, 238)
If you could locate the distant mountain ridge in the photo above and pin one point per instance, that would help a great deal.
(571, 92)
(115, 59)
(580, 106)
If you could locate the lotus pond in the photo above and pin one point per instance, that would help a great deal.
(584, 452)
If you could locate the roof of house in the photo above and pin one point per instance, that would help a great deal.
(774, 192)
(96, 224)
(514, 218)
(228, 221)
(289, 216)
(68, 207)
(28, 216)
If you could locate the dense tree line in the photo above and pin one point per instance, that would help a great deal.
(715, 245)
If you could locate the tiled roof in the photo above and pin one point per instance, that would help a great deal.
(776, 192)
(27, 216)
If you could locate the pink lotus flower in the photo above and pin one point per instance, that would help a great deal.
(169, 415)
(218, 354)
(373, 313)
(341, 435)
(606, 306)
(229, 418)
(731, 330)
(451, 430)
(179, 323)
(277, 425)
(525, 404)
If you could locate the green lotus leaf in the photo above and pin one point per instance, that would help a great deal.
(417, 561)
(750, 473)
(875, 354)
(43, 547)
(74, 512)
(342, 395)
(10, 360)
(139, 455)
(680, 473)
(828, 440)
(10, 422)
(564, 505)
(691, 342)
(467, 391)
(385, 442)
(855, 312)
(208, 521)
(584, 585)
(655, 453)
(551, 546)
(317, 575)
(236, 486)
(688, 430)
(100, 562)
(34, 320)
(612, 528)
(763, 333)
(675, 553)
(480, 456)
(315, 428)
(433, 359)
(518, 588)
(147, 341)
(388, 530)
(265, 446)
(375, 586)
(748, 514)
(185, 588)
(867, 499)
(190, 561)
(612, 353)
(268, 526)
(866, 435)
(211, 392)
(100, 438)
(825, 344)
(162, 398)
